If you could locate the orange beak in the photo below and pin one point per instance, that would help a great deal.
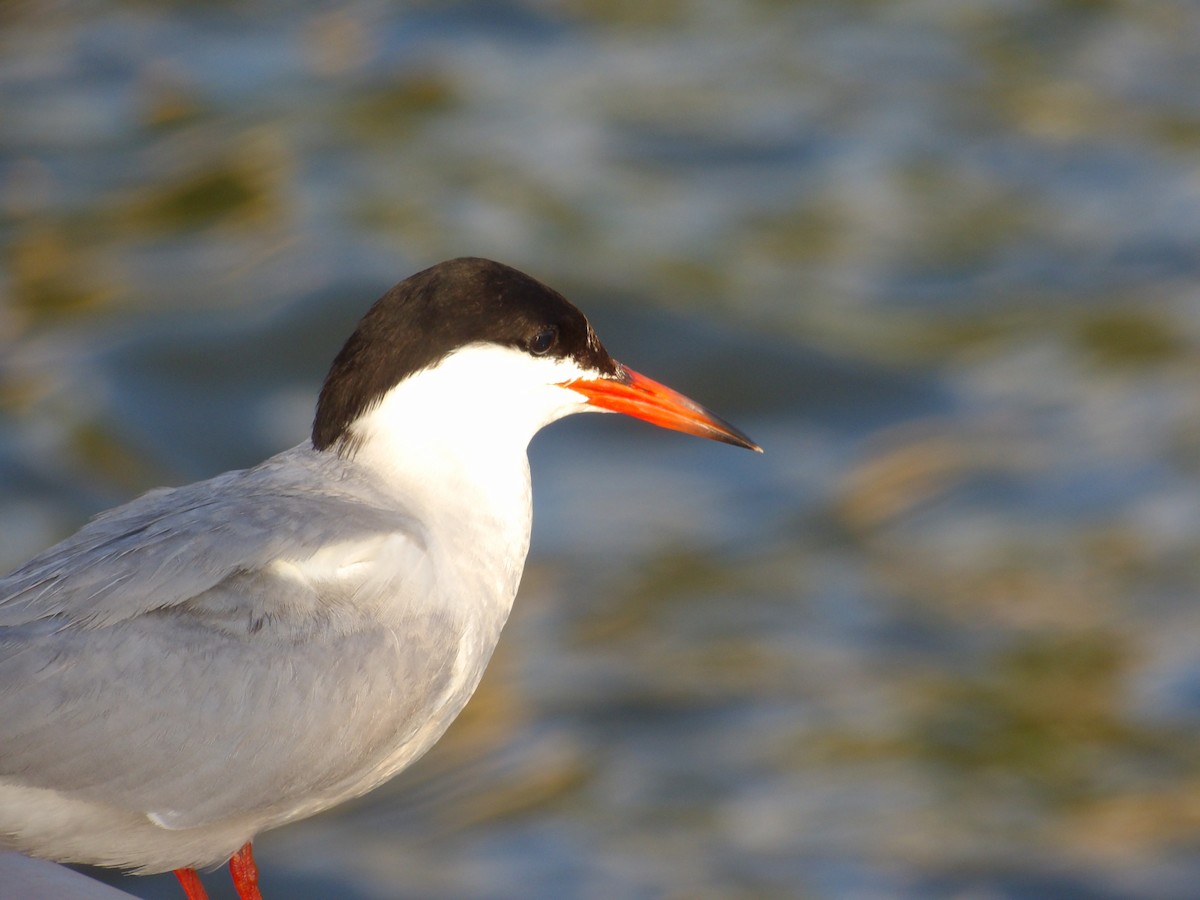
(643, 398)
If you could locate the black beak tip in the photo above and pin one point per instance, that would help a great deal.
(740, 440)
(729, 434)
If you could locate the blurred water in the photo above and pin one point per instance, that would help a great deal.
(939, 258)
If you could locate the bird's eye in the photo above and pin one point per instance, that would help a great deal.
(540, 343)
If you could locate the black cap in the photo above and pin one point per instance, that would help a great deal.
(437, 311)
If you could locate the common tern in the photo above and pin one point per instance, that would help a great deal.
(210, 661)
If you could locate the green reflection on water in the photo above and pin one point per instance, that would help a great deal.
(1128, 337)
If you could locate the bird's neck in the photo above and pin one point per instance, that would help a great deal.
(465, 477)
(456, 469)
(453, 438)
(471, 503)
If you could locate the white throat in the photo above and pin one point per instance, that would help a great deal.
(459, 431)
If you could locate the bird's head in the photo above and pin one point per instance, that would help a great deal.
(471, 340)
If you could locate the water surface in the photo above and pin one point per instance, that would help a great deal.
(938, 258)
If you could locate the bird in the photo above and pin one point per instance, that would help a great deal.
(211, 661)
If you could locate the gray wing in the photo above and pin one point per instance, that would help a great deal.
(161, 661)
(171, 545)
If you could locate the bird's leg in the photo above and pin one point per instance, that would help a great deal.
(191, 884)
(245, 874)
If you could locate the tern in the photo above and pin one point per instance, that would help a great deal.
(211, 661)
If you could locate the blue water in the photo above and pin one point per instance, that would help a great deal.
(939, 259)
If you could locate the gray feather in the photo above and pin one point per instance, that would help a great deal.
(118, 645)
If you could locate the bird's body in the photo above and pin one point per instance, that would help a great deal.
(211, 661)
(315, 668)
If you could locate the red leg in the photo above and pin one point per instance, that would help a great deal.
(191, 884)
(245, 874)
